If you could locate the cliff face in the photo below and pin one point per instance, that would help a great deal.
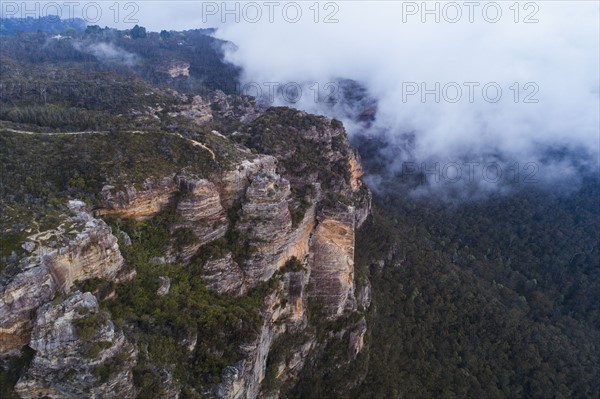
(71, 361)
(225, 276)
(332, 260)
(131, 202)
(201, 204)
(232, 184)
(201, 211)
(284, 313)
(266, 220)
(81, 248)
(313, 258)
(285, 220)
(198, 198)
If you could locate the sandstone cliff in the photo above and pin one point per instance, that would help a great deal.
(78, 353)
(332, 260)
(81, 248)
(276, 222)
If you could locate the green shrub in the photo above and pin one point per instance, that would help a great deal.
(87, 326)
(184, 237)
(293, 264)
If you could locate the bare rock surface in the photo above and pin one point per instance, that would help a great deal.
(75, 358)
(224, 276)
(332, 260)
(86, 249)
(137, 203)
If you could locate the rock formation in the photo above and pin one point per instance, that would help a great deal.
(292, 213)
(86, 249)
(78, 353)
(132, 202)
(332, 260)
(224, 276)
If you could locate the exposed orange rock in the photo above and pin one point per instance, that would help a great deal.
(92, 253)
(332, 261)
(356, 172)
(133, 203)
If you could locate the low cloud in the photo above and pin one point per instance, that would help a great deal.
(547, 72)
(107, 52)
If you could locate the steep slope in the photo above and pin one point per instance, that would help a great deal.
(222, 251)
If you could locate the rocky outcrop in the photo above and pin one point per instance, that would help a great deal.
(137, 203)
(254, 366)
(356, 171)
(323, 241)
(280, 225)
(243, 380)
(216, 106)
(20, 298)
(201, 211)
(267, 221)
(176, 68)
(224, 276)
(199, 110)
(242, 108)
(78, 353)
(232, 184)
(94, 253)
(356, 339)
(164, 287)
(284, 313)
(200, 203)
(83, 248)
